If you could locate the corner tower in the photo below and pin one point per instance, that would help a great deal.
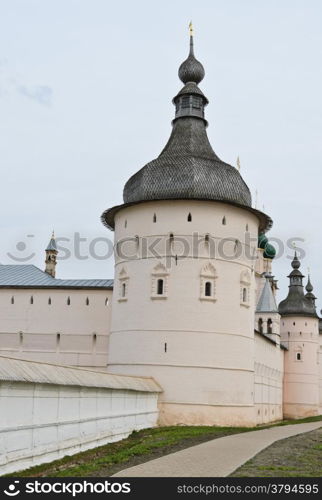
(300, 334)
(183, 301)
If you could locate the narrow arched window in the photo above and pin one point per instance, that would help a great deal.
(154, 218)
(208, 289)
(269, 326)
(123, 289)
(106, 301)
(160, 287)
(189, 217)
(49, 301)
(12, 300)
(207, 238)
(298, 356)
(260, 325)
(87, 301)
(224, 221)
(244, 294)
(31, 299)
(68, 301)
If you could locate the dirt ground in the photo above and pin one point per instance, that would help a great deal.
(298, 456)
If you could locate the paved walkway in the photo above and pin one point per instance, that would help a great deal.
(218, 457)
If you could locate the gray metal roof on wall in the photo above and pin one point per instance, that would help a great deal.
(18, 370)
(30, 276)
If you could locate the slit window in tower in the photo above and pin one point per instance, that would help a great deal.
(12, 300)
(123, 290)
(224, 221)
(189, 217)
(260, 325)
(298, 356)
(49, 301)
(31, 300)
(208, 289)
(154, 218)
(160, 287)
(269, 326)
(244, 294)
(87, 301)
(165, 347)
(68, 301)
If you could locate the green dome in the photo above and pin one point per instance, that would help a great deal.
(262, 241)
(269, 252)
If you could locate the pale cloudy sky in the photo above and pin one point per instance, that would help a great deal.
(85, 101)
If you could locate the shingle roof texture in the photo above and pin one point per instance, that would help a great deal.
(30, 276)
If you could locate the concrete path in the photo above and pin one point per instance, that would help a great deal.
(218, 457)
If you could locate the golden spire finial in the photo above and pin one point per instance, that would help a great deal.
(238, 164)
(191, 30)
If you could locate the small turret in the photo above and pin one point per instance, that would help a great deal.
(296, 302)
(267, 317)
(309, 289)
(51, 254)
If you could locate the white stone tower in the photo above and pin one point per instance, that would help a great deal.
(300, 334)
(51, 256)
(184, 290)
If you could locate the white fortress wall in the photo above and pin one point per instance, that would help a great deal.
(49, 411)
(64, 326)
(268, 380)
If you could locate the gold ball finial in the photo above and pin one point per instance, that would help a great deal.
(191, 30)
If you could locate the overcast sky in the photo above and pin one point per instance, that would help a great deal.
(85, 101)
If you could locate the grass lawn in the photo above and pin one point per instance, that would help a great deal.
(297, 456)
(139, 447)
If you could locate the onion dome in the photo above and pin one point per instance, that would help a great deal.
(309, 289)
(269, 250)
(262, 241)
(191, 70)
(296, 303)
(188, 168)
